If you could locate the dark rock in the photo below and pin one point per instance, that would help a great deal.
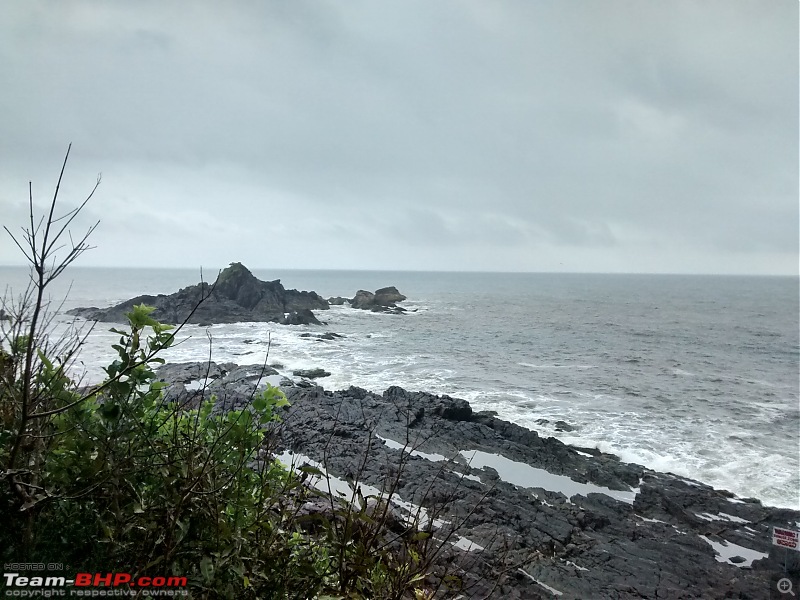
(304, 316)
(564, 426)
(237, 296)
(338, 300)
(329, 336)
(388, 296)
(383, 300)
(588, 546)
(363, 300)
(311, 373)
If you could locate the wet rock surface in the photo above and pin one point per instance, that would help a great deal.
(544, 519)
(311, 373)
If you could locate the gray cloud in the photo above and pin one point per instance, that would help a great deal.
(504, 136)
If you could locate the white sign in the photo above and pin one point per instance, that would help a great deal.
(786, 538)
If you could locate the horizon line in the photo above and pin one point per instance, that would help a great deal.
(452, 271)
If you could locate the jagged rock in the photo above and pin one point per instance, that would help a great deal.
(237, 296)
(338, 300)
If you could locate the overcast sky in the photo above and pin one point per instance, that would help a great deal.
(615, 136)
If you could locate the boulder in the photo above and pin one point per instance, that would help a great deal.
(311, 373)
(383, 300)
(363, 300)
(304, 316)
(388, 296)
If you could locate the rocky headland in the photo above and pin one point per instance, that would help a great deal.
(535, 518)
(238, 296)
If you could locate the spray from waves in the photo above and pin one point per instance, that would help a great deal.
(771, 478)
(696, 449)
(698, 453)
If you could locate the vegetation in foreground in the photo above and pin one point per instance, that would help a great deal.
(115, 477)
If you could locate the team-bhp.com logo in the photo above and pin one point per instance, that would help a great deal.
(91, 584)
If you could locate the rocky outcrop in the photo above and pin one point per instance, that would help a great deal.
(304, 316)
(236, 296)
(311, 373)
(383, 300)
(543, 519)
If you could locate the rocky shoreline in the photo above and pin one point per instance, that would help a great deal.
(536, 518)
(528, 516)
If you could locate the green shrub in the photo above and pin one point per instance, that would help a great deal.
(116, 477)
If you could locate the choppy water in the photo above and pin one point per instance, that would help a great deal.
(690, 374)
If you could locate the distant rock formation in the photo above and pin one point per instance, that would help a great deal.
(383, 300)
(237, 296)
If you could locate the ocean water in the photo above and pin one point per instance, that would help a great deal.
(694, 375)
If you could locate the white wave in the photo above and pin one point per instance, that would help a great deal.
(577, 367)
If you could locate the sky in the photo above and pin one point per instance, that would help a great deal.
(502, 135)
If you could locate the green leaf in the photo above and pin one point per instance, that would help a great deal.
(207, 568)
(311, 470)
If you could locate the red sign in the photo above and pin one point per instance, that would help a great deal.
(786, 538)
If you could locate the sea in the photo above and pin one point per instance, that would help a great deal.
(693, 375)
